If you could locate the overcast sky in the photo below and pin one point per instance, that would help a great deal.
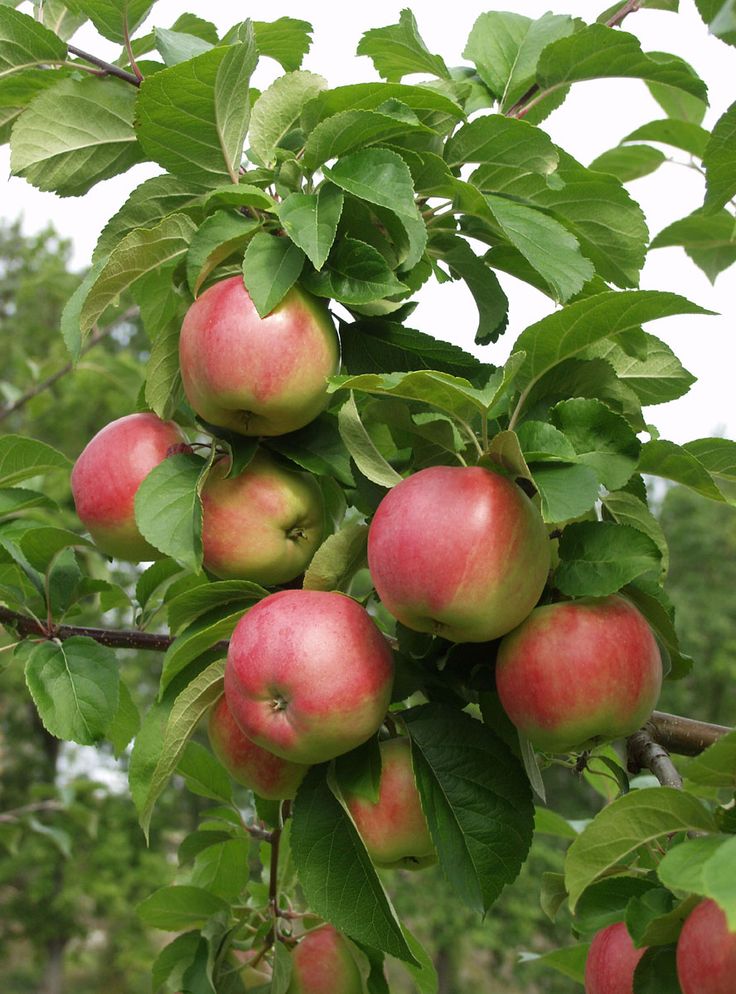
(594, 117)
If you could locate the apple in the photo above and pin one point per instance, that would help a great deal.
(256, 976)
(612, 960)
(308, 675)
(324, 963)
(264, 524)
(269, 776)
(107, 475)
(394, 829)
(579, 672)
(706, 952)
(458, 551)
(254, 375)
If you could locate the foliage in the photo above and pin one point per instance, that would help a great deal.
(362, 194)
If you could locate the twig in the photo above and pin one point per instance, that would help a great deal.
(11, 816)
(129, 50)
(643, 753)
(108, 67)
(94, 338)
(630, 7)
(684, 736)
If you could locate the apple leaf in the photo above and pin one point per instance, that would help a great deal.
(335, 872)
(600, 557)
(569, 961)
(168, 510)
(463, 769)
(187, 606)
(178, 46)
(204, 775)
(338, 559)
(361, 447)
(23, 458)
(488, 294)
(685, 135)
(655, 374)
(286, 40)
(271, 266)
(206, 96)
(509, 149)
(125, 722)
(673, 462)
(372, 345)
(223, 868)
(179, 907)
(618, 831)
(709, 240)
(17, 500)
(222, 235)
(715, 766)
(206, 630)
(114, 19)
(654, 604)
(604, 902)
(75, 686)
(356, 273)
(656, 972)
(350, 130)
(719, 160)
(398, 50)
(317, 448)
(705, 867)
(311, 219)
(656, 917)
(24, 43)
(629, 162)
(601, 439)
(163, 389)
(277, 109)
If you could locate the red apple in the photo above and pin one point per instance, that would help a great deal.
(579, 672)
(323, 963)
(308, 675)
(264, 524)
(268, 775)
(458, 551)
(107, 475)
(612, 960)
(252, 977)
(706, 952)
(253, 375)
(394, 829)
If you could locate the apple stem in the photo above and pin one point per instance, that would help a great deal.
(643, 753)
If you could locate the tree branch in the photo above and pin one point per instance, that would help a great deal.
(108, 68)
(684, 736)
(643, 753)
(94, 338)
(16, 813)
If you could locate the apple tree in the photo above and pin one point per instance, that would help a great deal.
(420, 578)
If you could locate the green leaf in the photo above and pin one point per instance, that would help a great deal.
(546, 244)
(311, 219)
(718, 455)
(677, 104)
(202, 634)
(656, 607)
(208, 97)
(318, 448)
(656, 917)
(604, 902)
(178, 46)
(204, 775)
(287, 40)
(17, 90)
(709, 240)
(372, 346)
(623, 826)
(168, 510)
(398, 50)
(381, 177)
(706, 867)
(656, 972)
(597, 52)
(152, 579)
(662, 458)
(601, 438)
(719, 160)
(626, 509)
(356, 273)
(629, 162)
(358, 772)
(505, 48)
(335, 872)
(569, 961)
(277, 110)
(19, 500)
(463, 769)
(163, 388)
(75, 134)
(598, 558)
(685, 135)
(189, 605)
(223, 869)
(178, 955)
(720, 16)
(140, 252)
(24, 43)
(490, 299)
(175, 908)
(655, 374)
(125, 722)
(338, 559)
(75, 686)
(23, 458)
(574, 328)
(715, 766)
(507, 149)
(271, 266)
(359, 444)
(566, 491)
(166, 744)
(222, 234)
(242, 195)
(353, 129)
(427, 102)
(41, 545)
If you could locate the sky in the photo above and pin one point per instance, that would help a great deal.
(594, 118)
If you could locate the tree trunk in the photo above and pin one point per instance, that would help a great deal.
(53, 973)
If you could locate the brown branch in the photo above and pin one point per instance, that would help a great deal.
(525, 102)
(643, 753)
(684, 736)
(94, 338)
(108, 68)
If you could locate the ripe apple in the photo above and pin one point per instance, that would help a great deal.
(269, 776)
(612, 960)
(706, 952)
(253, 375)
(323, 963)
(458, 551)
(264, 524)
(578, 672)
(107, 475)
(308, 675)
(394, 829)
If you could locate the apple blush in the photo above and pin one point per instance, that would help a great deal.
(612, 961)
(254, 375)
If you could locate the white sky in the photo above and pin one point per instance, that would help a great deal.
(594, 117)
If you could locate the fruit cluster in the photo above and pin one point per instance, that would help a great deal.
(459, 552)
